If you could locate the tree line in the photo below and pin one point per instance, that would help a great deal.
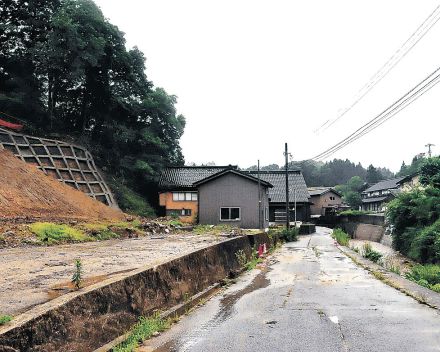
(332, 173)
(65, 70)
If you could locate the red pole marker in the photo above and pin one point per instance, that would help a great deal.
(260, 250)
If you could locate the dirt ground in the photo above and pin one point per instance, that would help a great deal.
(33, 275)
(26, 192)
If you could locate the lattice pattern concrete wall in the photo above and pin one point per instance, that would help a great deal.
(67, 163)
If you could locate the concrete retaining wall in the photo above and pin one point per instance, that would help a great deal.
(363, 227)
(91, 317)
(70, 164)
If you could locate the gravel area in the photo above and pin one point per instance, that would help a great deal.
(33, 275)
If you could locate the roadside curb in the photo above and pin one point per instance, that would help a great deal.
(421, 294)
(174, 312)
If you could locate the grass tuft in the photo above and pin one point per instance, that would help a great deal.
(341, 237)
(143, 330)
(50, 233)
(5, 319)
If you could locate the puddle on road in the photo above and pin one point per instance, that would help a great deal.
(226, 310)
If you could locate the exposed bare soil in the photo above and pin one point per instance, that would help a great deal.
(27, 193)
(34, 275)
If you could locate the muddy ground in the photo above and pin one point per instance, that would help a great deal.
(33, 275)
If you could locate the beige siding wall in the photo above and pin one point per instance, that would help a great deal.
(323, 201)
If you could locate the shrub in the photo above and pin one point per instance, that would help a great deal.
(425, 244)
(416, 226)
(241, 257)
(5, 319)
(51, 233)
(289, 235)
(353, 212)
(100, 232)
(370, 253)
(425, 273)
(77, 275)
(341, 237)
(130, 201)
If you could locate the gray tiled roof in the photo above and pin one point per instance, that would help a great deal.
(385, 184)
(317, 191)
(277, 194)
(236, 172)
(185, 176)
(373, 200)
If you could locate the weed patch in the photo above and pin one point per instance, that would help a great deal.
(426, 275)
(5, 319)
(369, 253)
(50, 233)
(341, 237)
(143, 330)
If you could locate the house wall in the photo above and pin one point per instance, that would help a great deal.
(302, 211)
(231, 191)
(322, 201)
(166, 200)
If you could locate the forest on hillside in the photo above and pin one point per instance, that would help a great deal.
(334, 172)
(65, 72)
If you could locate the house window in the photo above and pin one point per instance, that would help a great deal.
(229, 214)
(332, 198)
(266, 213)
(185, 196)
(179, 212)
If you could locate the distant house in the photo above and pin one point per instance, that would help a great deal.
(277, 195)
(324, 200)
(375, 197)
(181, 189)
(410, 182)
(178, 195)
(232, 197)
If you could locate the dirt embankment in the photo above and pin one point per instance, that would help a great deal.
(26, 192)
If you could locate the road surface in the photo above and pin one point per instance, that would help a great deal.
(309, 298)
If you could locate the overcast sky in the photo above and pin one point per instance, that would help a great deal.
(251, 75)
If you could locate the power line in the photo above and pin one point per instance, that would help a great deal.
(418, 34)
(412, 95)
(370, 126)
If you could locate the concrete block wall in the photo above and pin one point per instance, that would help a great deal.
(70, 164)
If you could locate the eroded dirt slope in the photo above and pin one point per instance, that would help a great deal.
(26, 192)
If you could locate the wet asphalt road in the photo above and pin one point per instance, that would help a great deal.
(310, 298)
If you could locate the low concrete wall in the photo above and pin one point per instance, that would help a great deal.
(93, 316)
(363, 227)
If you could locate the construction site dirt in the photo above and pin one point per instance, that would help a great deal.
(27, 193)
(37, 274)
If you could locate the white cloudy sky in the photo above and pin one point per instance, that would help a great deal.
(251, 74)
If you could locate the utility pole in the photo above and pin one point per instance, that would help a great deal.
(429, 145)
(286, 154)
(294, 190)
(259, 197)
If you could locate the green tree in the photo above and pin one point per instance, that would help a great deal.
(373, 175)
(430, 172)
(65, 70)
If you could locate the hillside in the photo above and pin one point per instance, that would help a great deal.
(26, 192)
